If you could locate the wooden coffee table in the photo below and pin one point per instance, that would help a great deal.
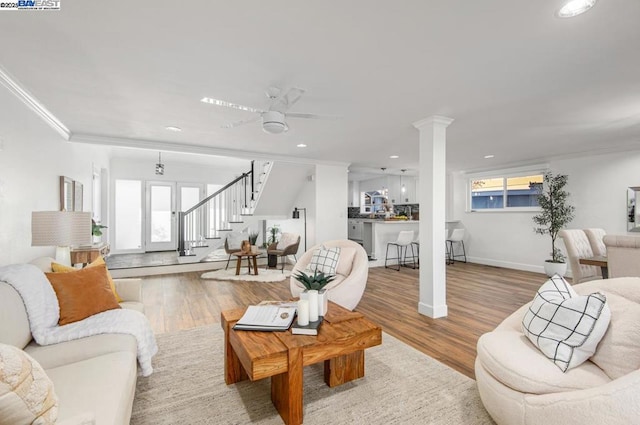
(340, 344)
(240, 255)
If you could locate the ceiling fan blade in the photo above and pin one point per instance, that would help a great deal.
(293, 95)
(243, 122)
(219, 102)
(287, 100)
(313, 116)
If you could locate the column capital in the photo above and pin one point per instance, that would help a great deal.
(433, 120)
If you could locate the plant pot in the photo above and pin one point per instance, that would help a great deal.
(272, 261)
(254, 249)
(552, 269)
(323, 300)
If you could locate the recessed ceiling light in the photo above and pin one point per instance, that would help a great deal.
(301, 145)
(488, 156)
(394, 157)
(574, 8)
(173, 128)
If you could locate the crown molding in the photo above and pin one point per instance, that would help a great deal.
(28, 99)
(159, 145)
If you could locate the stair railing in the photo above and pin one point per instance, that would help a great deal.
(216, 212)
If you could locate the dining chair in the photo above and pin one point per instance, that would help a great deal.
(578, 246)
(595, 237)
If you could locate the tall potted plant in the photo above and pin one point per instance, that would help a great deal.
(556, 212)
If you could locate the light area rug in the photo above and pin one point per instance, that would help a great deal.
(264, 275)
(401, 386)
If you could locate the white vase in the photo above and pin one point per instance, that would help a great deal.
(323, 302)
(552, 269)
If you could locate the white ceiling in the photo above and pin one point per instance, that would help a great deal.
(520, 83)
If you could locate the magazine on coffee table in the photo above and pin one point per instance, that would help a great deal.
(266, 318)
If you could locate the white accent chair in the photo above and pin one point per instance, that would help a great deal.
(578, 246)
(518, 385)
(596, 237)
(623, 255)
(351, 274)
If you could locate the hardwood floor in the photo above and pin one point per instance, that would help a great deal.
(478, 298)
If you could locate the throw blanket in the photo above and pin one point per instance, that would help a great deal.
(43, 310)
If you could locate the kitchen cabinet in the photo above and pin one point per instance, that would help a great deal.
(396, 195)
(356, 230)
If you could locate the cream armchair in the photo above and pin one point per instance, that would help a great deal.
(518, 385)
(351, 274)
(623, 255)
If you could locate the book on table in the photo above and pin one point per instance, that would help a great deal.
(310, 329)
(266, 318)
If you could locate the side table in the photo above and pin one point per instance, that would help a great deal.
(249, 256)
(87, 254)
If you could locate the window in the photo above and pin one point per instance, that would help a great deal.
(505, 192)
(128, 215)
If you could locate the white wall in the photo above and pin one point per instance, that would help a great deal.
(136, 169)
(331, 202)
(598, 186)
(32, 158)
(325, 197)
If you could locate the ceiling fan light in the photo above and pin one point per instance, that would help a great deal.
(273, 127)
(273, 122)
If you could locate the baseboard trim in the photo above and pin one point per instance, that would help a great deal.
(434, 312)
(506, 264)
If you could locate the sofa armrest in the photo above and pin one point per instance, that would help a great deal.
(129, 289)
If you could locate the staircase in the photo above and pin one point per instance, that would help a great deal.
(203, 228)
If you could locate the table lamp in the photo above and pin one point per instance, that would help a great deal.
(60, 229)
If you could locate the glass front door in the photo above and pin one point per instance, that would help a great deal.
(161, 216)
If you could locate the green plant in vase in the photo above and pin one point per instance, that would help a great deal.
(96, 229)
(317, 281)
(273, 233)
(253, 237)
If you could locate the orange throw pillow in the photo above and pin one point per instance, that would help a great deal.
(59, 268)
(82, 293)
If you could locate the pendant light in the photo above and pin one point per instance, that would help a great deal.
(159, 166)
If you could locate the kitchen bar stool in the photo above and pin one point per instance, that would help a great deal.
(404, 240)
(457, 236)
(416, 243)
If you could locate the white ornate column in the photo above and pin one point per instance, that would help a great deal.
(432, 187)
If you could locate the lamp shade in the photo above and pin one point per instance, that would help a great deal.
(296, 213)
(60, 228)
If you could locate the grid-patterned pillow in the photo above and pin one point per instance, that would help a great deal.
(566, 327)
(324, 260)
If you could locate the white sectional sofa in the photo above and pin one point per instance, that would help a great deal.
(94, 378)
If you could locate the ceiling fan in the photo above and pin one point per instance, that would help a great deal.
(274, 117)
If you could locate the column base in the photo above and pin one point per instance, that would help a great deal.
(434, 312)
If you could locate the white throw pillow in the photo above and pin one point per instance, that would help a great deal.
(566, 327)
(324, 260)
(286, 240)
(26, 392)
